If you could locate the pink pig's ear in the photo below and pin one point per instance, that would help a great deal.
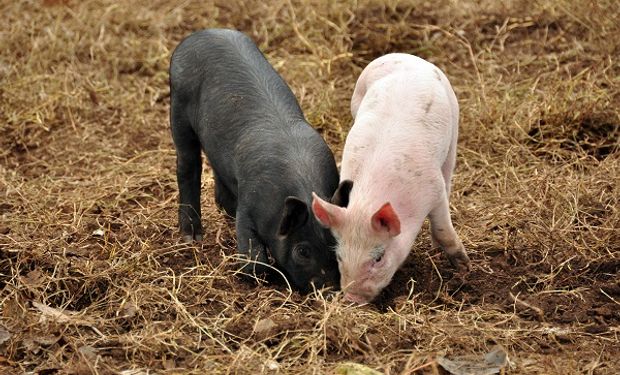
(328, 215)
(385, 220)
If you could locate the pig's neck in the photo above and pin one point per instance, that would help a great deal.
(400, 246)
(411, 201)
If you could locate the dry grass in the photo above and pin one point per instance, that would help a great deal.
(92, 279)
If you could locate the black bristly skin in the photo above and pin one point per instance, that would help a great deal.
(342, 193)
(266, 159)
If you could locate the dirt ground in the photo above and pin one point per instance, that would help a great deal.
(93, 278)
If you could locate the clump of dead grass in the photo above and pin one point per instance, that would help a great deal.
(92, 279)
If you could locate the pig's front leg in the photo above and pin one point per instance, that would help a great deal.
(250, 247)
(224, 197)
(444, 235)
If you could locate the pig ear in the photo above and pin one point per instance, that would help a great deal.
(385, 220)
(328, 215)
(294, 215)
(341, 195)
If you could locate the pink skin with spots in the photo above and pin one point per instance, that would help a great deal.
(399, 155)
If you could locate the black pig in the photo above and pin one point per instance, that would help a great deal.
(266, 159)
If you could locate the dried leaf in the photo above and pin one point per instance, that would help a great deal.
(46, 340)
(89, 352)
(491, 363)
(53, 314)
(169, 364)
(33, 278)
(31, 346)
(128, 310)
(134, 372)
(350, 368)
(4, 335)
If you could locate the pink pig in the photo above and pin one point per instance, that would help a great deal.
(396, 169)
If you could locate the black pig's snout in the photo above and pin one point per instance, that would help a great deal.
(324, 280)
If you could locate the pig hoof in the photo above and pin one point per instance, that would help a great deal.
(189, 239)
(460, 261)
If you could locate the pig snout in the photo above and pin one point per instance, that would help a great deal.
(360, 290)
(329, 280)
(361, 284)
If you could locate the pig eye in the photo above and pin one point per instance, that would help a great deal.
(377, 253)
(302, 252)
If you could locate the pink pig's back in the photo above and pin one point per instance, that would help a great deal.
(406, 119)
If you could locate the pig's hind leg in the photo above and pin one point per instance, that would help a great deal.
(189, 170)
(445, 236)
(446, 172)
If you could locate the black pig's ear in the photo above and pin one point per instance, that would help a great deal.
(294, 215)
(341, 195)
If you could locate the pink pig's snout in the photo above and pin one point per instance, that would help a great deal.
(358, 291)
(361, 292)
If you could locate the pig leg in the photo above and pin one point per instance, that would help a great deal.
(443, 233)
(189, 169)
(250, 246)
(448, 166)
(224, 197)
(446, 171)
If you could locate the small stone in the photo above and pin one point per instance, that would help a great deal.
(89, 352)
(264, 328)
(4, 335)
(272, 365)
